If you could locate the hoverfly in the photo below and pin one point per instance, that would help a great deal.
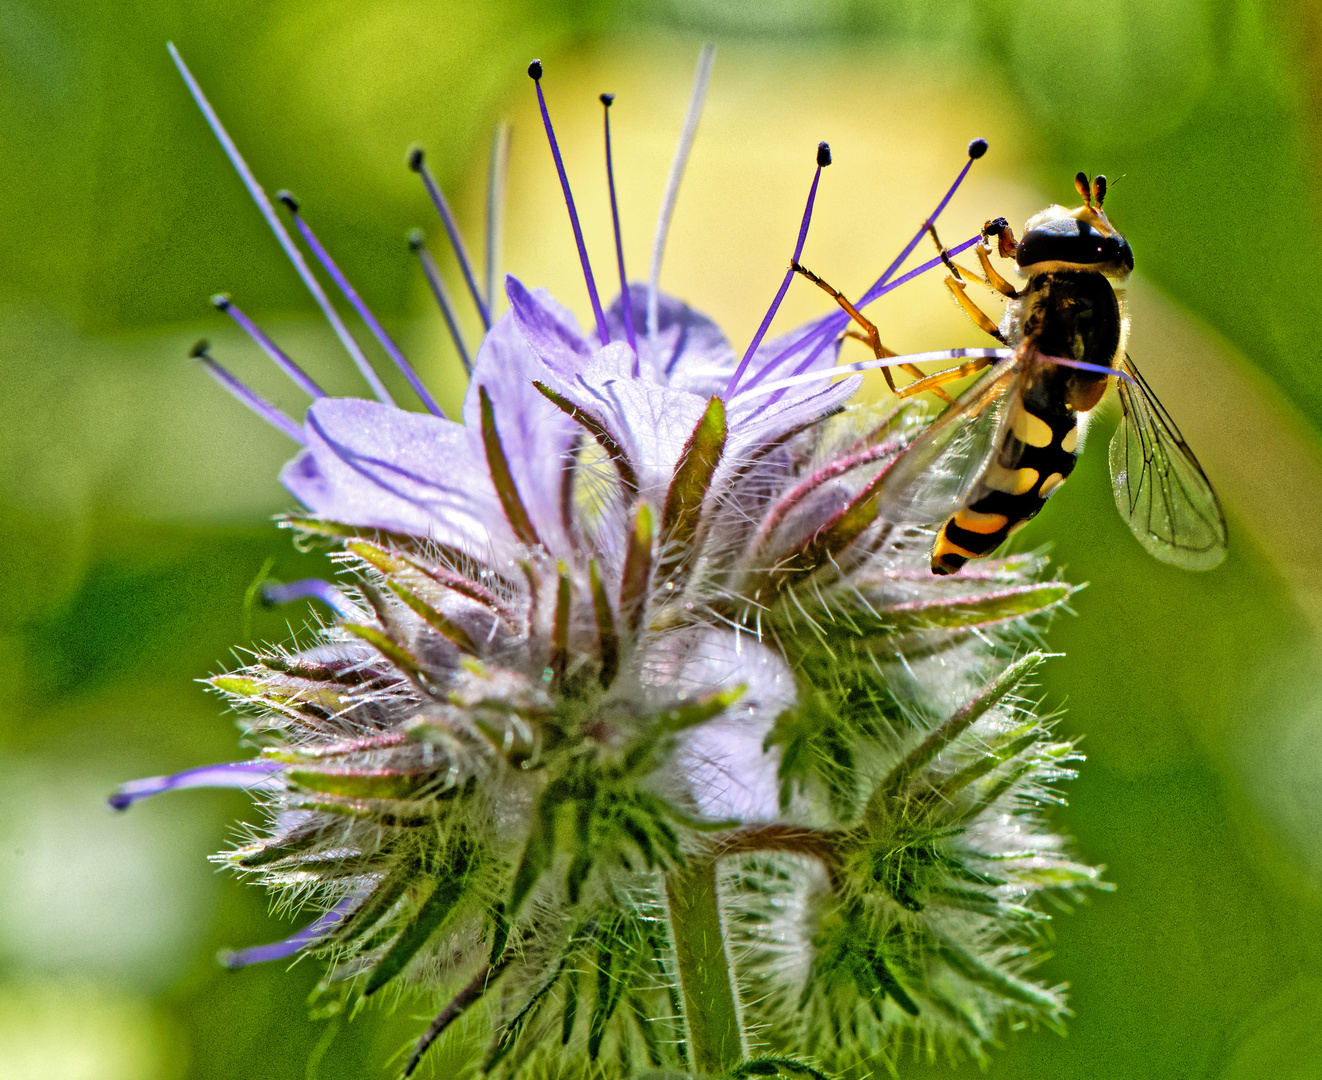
(988, 463)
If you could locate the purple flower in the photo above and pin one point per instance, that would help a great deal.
(626, 661)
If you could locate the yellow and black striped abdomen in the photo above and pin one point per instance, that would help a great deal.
(1036, 457)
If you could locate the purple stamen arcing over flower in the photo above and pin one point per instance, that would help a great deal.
(281, 233)
(310, 589)
(829, 327)
(835, 323)
(295, 943)
(418, 245)
(626, 309)
(263, 408)
(823, 160)
(222, 302)
(257, 773)
(418, 163)
(364, 312)
(535, 73)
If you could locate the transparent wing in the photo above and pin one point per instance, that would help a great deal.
(936, 475)
(1161, 490)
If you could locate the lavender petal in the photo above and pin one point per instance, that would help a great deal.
(257, 773)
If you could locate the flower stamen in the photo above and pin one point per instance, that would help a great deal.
(626, 304)
(223, 302)
(359, 305)
(823, 160)
(418, 245)
(274, 416)
(281, 233)
(603, 335)
(418, 163)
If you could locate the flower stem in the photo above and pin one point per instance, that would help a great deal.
(710, 1009)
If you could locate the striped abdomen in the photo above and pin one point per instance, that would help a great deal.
(1032, 463)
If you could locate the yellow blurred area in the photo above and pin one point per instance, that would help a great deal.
(83, 1031)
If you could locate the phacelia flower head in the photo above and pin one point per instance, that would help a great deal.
(634, 719)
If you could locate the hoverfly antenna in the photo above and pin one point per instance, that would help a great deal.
(1082, 187)
(1099, 189)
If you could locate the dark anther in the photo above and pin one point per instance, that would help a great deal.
(199, 350)
(977, 148)
(606, 99)
(221, 302)
(535, 70)
(823, 155)
(417, 239)
(415, 158)
(287, 197)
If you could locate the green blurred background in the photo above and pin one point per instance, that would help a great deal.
(135, 497)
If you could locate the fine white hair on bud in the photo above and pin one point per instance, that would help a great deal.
(635, 719)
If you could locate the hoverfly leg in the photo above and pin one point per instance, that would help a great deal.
(993, 278)
(980, 317)
(932, 383)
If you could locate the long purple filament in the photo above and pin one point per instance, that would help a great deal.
(231, 774)
(310, 589)
(827, 328)
(281, 233)
(833, 324)
(418, 162)
(282, 359)
(433, 275)
(603, 334)
(784, 287)
(263, 408)
(626, 299)
(359, 305)
(295, 943)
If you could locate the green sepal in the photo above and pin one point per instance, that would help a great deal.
(597, 429)
(999, 982)
(435, 911)
(365, 784)
(508, 1036)
(378, 903)
(447, 628)
(501, 477)
(688, 489)
(387, 647)
(948, 613)
(610, 988)
(273, 851)
(608, 638)
(637, 576)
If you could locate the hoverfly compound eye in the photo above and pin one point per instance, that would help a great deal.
(1073, 242)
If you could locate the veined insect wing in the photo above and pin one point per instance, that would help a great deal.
(936, 475)
(1160, 489)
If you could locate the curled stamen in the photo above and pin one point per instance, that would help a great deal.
(310, 589)
(535, 73)
(223, 302)
(263, 408)
(627, 300)
(697, 97)
(364, 312)
(256, 773)
(418, 245)
(823, 160)
(281, 233)
(295, 943)
(418, 163)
